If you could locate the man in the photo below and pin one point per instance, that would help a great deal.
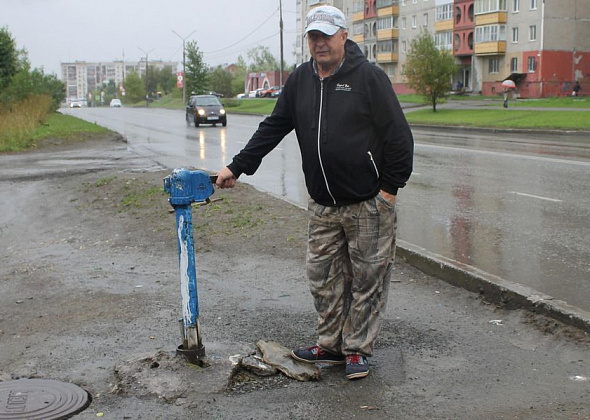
(357, 150)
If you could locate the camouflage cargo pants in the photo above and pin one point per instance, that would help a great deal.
(349, 263)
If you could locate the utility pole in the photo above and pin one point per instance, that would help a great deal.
(146, 75)
(281, 31)
(183, 64)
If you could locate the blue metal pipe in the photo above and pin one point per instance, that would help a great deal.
(186, 187)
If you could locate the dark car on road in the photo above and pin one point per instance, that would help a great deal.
(205, 109)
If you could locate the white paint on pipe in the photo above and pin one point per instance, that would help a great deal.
(184, 278)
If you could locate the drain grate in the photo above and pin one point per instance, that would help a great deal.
(41, 399)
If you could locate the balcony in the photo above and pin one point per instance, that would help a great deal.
(359, 39)
(358, 16)
(443, 25)
(490, 18)
(385, 34)
(389, 57)
(490, 48)
(388, 11)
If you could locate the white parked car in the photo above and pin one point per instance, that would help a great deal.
(116, 103)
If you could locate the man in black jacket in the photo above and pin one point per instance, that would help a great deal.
(357, 151)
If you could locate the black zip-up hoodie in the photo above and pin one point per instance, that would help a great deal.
(353, 135)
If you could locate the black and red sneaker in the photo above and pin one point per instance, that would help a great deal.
(357, 366)
(316, 354)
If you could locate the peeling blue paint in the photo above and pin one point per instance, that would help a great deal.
(186, 187)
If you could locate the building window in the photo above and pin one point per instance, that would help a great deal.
(532, 64)
(358, 29)
(533, 4)
(516, 6)
(489, 6)
(403, 2)
(404, 47)
(514, 65)
(532, 32)
(425, 19)
(385, 23)
(494, 65)
(490, 33)
(444, 12)
(358, 6)
(515, 34)
(444, 40)
(403, 69)
(386, 47)
(414, 21)
(404, 23)
(414, 1)
(384, 3)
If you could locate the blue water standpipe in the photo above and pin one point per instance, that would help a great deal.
(186, 187)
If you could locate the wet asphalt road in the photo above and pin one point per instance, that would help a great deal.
(514, 205)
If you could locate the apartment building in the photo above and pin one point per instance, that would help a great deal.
(543, 45)
(82, 78)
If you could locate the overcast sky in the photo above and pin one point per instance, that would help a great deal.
(55, 31)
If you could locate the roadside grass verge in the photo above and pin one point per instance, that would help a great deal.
(18, 121)
(250, 106)
(67, 127)
(412, 98)
(554, 120)
(64, 128)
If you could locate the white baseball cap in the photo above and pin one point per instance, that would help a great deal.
(326, 19)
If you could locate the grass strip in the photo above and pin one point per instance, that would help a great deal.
(502, 118)
(56, 127)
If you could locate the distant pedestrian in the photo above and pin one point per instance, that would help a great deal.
(577, 88)
(357, 151)
(506, 92)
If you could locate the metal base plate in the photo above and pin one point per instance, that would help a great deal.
(194, 356)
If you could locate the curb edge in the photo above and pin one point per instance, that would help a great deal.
(495, 289)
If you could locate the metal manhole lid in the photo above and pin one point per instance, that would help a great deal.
(41, 399)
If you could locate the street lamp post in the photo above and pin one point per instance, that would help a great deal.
(281, 31)
(146, 75)
(183, 64)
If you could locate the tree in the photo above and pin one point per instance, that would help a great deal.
(262, 59)
(196, 75)
(429, 69)
(134, 88)
(238, 82)
(221, 81)
(152, 75)
(28, 82)
(166, 79)
(8, 57)
(111, 88)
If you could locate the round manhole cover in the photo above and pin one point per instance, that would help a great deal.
(41, 399)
